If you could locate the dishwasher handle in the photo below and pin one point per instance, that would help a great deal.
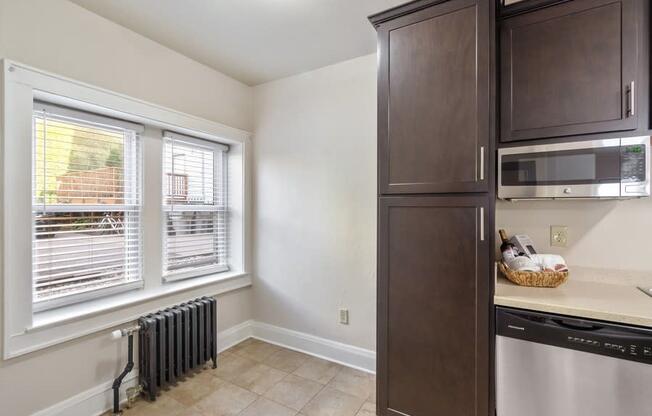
(577, 325)
(534, 321)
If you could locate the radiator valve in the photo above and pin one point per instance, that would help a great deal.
(124, 332)
(132, 395)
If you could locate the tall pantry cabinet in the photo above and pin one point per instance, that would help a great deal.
(435, 207)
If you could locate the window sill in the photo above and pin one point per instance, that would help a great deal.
(83, 310)
(70, 322)
(175, 276)
(84, 298)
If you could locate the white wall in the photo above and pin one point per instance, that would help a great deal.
(315, 201)
(605, 235)
(60, 37)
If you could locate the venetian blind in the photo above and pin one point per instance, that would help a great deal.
(86, 203)
(195, 206)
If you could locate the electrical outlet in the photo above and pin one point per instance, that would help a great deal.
(558, 235)
(344, 316)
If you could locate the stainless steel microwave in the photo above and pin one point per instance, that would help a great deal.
(611, 168)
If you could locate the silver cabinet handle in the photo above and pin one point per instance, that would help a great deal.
(481, 223)
(631, 99)
(482, 163)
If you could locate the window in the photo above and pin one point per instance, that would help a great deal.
(195, 207)
(97, 224)
(86, 205)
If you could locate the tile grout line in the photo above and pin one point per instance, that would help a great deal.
(277, 402)
(360, 408)
(241, 412)
(324, 386)
(319, 392)
(313, 398)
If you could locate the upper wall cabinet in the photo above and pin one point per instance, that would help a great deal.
(574, 68)
(433, 98)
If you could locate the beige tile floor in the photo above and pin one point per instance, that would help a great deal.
(255, 378)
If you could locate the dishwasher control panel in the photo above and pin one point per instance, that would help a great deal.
(604, 338)
(631, 349)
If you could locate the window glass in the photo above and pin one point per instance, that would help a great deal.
(86, 207)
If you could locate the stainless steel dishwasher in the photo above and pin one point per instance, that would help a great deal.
(552, 365)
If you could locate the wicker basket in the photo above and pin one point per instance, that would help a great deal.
(535, 279)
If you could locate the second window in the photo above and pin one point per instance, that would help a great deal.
(195, 207)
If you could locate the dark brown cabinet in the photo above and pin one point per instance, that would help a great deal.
(433, 98)
(435, 141)
(574, 68)
(433, 306)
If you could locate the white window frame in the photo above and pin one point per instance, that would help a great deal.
(172, 275)
(26, 330)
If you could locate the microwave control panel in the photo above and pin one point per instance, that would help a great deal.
(632, 163)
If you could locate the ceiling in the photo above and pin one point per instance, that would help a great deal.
(254, 41)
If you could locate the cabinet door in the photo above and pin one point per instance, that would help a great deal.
(570, 69)
(433, 306)
(433, 99)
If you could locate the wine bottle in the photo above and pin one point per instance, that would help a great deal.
(507, 249)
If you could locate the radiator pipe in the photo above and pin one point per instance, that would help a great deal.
(130, 365)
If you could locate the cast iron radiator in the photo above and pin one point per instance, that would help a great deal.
(176, 341)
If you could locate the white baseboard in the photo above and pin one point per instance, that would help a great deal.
(99, 399)
(94, 401)
(345, 354)
(234, 335)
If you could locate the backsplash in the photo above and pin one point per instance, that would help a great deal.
(606, 239)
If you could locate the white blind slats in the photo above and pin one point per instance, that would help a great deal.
(86, 203)
(194, 204)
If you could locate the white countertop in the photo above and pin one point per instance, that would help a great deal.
(595, 300)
